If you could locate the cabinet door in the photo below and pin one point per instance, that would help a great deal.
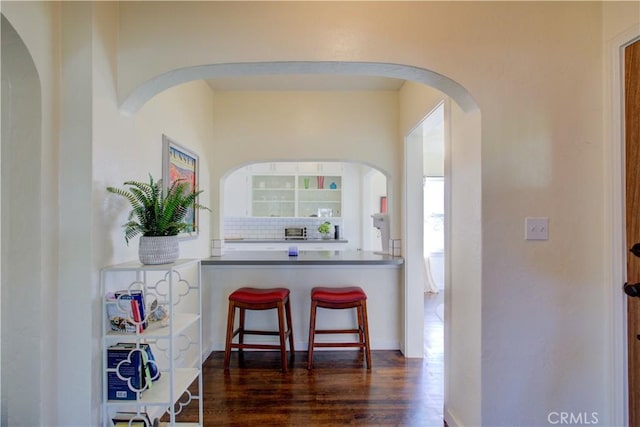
(320, 168)
(273, 195)
(285, 168)
(308, 168)
(330, 168)
(276, 168)
(258, 168)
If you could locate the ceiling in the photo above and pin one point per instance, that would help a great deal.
(305, 82)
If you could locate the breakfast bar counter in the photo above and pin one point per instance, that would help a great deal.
(379, 275)
(317, 258)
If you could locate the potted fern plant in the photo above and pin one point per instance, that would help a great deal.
(158, 216)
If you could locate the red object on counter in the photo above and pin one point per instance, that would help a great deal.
(383, 204)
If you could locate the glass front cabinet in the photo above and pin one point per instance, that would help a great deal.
(297, 195)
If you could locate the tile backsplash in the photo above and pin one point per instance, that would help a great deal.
(272, 228)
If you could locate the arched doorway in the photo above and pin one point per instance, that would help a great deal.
(465, 225)
(22, 323)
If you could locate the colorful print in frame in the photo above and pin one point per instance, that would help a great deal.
(180, 163)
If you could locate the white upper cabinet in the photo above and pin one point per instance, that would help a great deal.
(320, 168)
(273, 168)
(311, 168)
(273, 195)
(288, 189)
(319, 195)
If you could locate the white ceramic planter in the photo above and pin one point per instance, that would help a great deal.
(158, 249)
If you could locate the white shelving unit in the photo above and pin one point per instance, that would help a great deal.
(312, 195)
(296, 195)
(176, 343)
(273, 195)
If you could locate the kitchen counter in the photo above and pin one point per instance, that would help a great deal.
(380, 275)
(292, 242)
(317, 258)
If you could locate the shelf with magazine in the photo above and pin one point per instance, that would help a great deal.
(151, 342)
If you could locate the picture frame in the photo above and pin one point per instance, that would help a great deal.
(178, 162)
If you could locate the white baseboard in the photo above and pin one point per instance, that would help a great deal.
(451, 419)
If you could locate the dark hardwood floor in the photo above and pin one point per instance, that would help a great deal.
(339, 390)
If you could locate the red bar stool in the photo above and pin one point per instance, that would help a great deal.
(340, 298)
(259, 299)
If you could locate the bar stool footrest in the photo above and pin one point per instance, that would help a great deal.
(257, 346)
(339, 344)
(338, 331)
(249, 332)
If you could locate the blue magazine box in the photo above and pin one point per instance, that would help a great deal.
(118, 389)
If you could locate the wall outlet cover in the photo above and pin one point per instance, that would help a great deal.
(536, 228)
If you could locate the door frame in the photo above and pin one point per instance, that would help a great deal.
(616, 302)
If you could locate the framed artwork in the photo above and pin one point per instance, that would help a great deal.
(179, 162)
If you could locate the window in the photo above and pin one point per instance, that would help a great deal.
(433, 214)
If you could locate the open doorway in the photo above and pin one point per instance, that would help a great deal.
(433, 185)
(433, 181)
(426, 181)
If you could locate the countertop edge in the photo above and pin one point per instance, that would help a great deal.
(290, 241)
(309, 258)
(216, 262)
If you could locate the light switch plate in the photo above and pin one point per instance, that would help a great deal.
(536, 228)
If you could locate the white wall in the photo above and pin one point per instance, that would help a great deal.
(376, 182)
(36, 24)
(464, 340)
(312, 126)
(535, 71)
(75, 243)
(620, 27)
(462, 247)
(21, 153)
(109, 148)
(433, 143)
(130, 148)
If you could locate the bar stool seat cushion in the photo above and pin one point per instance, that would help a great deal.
(338, 295)
(248, 295)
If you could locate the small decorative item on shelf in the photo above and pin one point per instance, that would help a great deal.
(306, 183)
(333, 186)
(325, 230)
(158, 313)
(159, 215)
(320, 182)
(325, 212)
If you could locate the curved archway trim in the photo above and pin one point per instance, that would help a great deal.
(152, 87)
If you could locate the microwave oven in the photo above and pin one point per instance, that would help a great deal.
(295, 233)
